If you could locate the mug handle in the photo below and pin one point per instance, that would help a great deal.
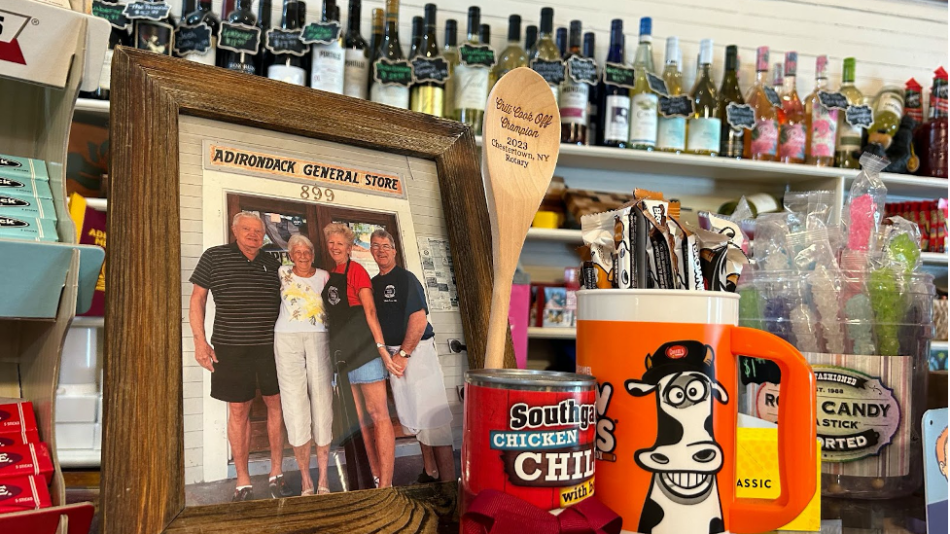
(797, 434)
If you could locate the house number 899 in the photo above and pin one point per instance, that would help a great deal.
(311, 192)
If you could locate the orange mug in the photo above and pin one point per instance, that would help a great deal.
(666, 369)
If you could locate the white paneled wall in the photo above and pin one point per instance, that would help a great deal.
(892, 40)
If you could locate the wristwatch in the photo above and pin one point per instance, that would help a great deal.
(404, 354)
(380, 345)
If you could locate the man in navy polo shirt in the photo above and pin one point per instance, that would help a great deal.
(419, 391)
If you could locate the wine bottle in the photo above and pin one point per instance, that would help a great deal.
(791, 137)
(418, 26)
(286, 56)
(575, 91)
(391, 72)
(328, 61)
(821, 123)
(544, 57)
(264, 23)
(119, 35)
(239, 40)
(375, 40)
(155, 34)
(428, 96)
(778, 87)
(930, 139)
(450, 52)
(593, 100)
(356, 55)
(513, 56)
(671, 131)
(849, 137)
(705, 125)
(731, 136)
(530, 37)
(197, 37)
(762, 141)
(484, 35)
(615, 96)
(888, 111)
(644, 55)
(471, 77)
(643, 101)
(560, 40)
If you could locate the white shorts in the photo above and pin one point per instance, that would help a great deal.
(304, 373)
(433, 437)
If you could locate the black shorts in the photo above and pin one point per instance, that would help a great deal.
(241, 371)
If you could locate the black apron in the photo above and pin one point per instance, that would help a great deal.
(349, 335)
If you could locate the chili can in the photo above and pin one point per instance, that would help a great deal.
(529, 434)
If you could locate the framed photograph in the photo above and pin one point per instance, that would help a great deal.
(297, 283)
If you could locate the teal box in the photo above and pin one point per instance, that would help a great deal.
(23, 205)
(13, 166)
(28, 228)
(25, 186)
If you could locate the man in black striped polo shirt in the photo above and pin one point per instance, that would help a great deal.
(246, 290)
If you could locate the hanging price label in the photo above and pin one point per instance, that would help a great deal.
(859, 116)
(551, 71)
(239, 38)
(676, 106)
(582, 70)
(773, 97)
(192, 39)
(147, 10)
(321, 33)
(833, 100)
(114, 13)
(430, 69)
(476, 55)
(283, 42)
(740, 116)
(617, 75)
(657, 84)
(389, 72)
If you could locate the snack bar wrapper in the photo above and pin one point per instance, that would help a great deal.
(26, 460)
(20, 494)
(597, 230)
(720, 259)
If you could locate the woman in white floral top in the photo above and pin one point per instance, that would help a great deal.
(302, 352)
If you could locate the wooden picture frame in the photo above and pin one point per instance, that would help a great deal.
(143, 457)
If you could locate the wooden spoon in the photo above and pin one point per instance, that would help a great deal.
(521, 138)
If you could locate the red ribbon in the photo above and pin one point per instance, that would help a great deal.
(494, 512)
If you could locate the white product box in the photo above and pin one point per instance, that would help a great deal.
(97, 437)
(73, 436)
(77, 408)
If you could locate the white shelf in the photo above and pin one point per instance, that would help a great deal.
(88, 105)
(939, 345)
(536, 332)
(555, 234)
(934, 258)
(79, 458)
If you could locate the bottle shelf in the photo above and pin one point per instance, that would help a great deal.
(934, 258)
(536, 332)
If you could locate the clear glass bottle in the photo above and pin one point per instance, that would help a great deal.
(391, 94)
(731, 140)
(705, 126)
(615, 107)
(644, 55)
(428, 97)
(643, 101)
(471, 81)
(671, 131)
(202, 15)
(762, 142)
(450, 52)
(930, 139)
(242, 16)
(287, 67)
(888, 111)
(544, 54)
(574, 95)
(356, 55)
(328, 61)
(821, 123)
(513, 56)
(791, 138)
(849, 137)
(593, 101)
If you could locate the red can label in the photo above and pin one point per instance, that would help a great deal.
(535, 445)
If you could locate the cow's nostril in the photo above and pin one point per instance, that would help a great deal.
(659, 458)
(705, 455)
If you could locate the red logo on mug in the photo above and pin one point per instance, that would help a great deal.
(676, 352)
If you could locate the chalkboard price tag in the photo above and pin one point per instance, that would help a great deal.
(389, 72)
(239, 38)
(657, 84)
(617, 75)
(582, 70)
(147, 10)
(114, 13)
(476, 56)
(321, 32)
(429, 69)
(676, 106)
(283, 42)
(833, 100)
(773, 97)
(551, 71)
(859, 116)
(740, 116)
(758, 371)
(192, 39)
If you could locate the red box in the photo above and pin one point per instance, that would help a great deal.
(17, 424)
(25, 460)
(23, 493)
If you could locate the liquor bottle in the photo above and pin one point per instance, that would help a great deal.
(888, 111)
(530, 37)
(930, 139)
(560, 39)
(544, 57)
(593, 101)
(239, 30)
(471, 81)
(302, 12)
(705, 125)
(791, 137)
(328, 61)
(778, 88)
(202, 15)
(615, 110)
(762, 142)
(821, 123)
(671, 131)
(418, 26)
(392, 94)
(731, 139)
(156, 36)
(119, 35)
(849, 137)
(575, 94)
(263, 22)
(484, 35)
(644, 55)
(428, 97)
(513, 56)
(643, 101)
(356, 63)
(287, 66)
(450, 52)
(913, 104)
